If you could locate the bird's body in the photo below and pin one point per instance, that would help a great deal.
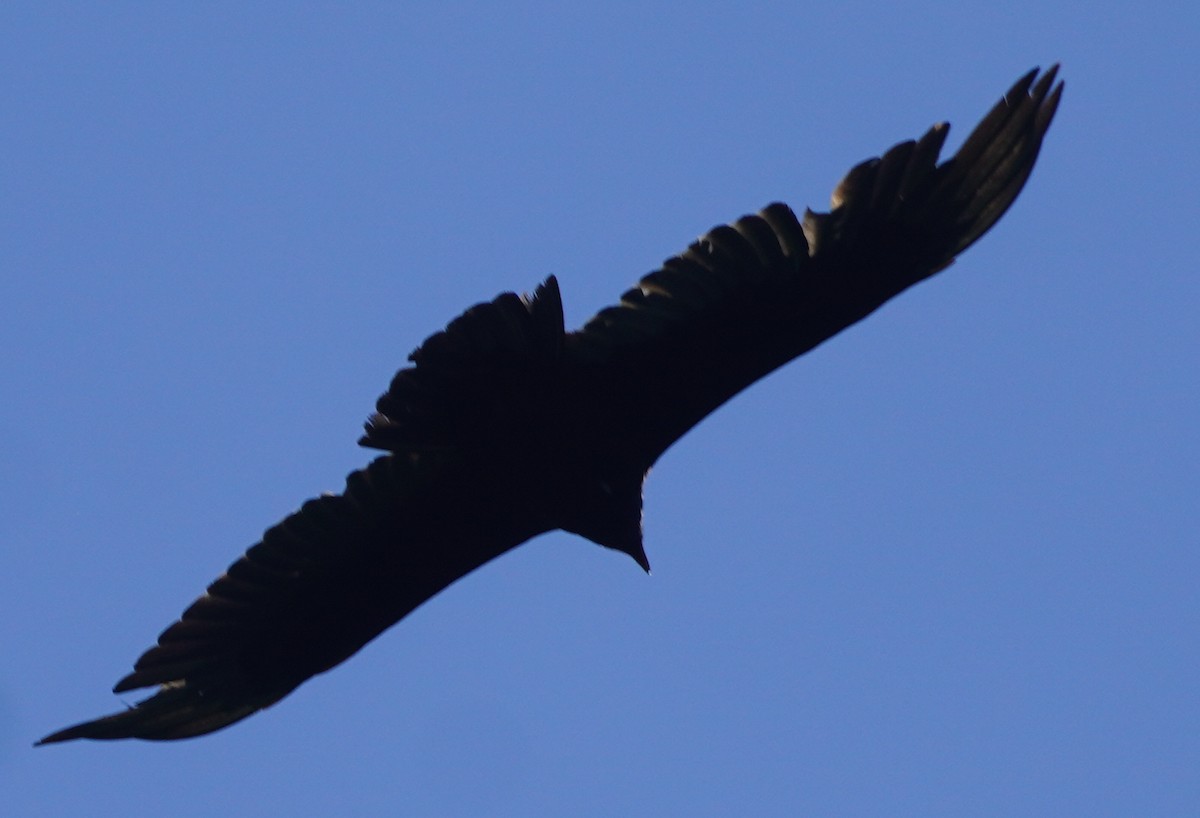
(508, 426)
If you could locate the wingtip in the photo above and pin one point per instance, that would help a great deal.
(176, 711)
(1021, 87)
(1049, 75)
(1034, 83)
(1048, 97)
(94, 729)
(66, 734)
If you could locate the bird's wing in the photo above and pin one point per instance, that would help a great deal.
(477, 381)
(738, 303)
(319, 586)
(748, 297)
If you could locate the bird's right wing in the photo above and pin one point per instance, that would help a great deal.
(749, 297)
(740, 302)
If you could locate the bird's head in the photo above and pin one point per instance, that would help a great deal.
(609, 512)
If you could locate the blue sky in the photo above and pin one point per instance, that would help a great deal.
(945, 565)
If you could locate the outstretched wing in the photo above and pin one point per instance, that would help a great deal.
(749, 297)
(319, 586)
(740, 302)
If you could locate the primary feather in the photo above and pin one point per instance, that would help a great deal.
(507, 426)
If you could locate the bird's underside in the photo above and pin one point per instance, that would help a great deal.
(506, 426)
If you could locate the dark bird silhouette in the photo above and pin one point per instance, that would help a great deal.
(507, 426)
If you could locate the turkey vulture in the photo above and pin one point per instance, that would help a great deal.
(506, 426)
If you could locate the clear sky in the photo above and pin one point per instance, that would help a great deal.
(945, 565)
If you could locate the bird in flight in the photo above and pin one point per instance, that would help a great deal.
(506, 426)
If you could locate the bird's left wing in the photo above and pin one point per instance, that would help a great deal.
(320, 585)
